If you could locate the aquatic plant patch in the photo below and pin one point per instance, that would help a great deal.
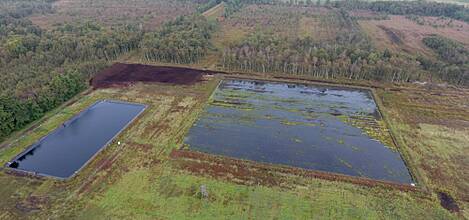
(317, 127)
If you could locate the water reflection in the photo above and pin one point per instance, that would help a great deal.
(70, 146)
(297, 125)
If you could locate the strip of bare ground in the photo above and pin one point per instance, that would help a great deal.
(391, 34)
(121, 74)
(254, 173)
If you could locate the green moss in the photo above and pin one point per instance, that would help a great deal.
(297, 140)
(371, 126)
(347, 164)
(138, 195)
(295, 123)
(227, 104)
(341, 141)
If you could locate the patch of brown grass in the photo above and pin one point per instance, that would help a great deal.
(253, 173)
(279, 19)
(448, 107)
(111, 12)
(431, 125)
(384, 32)
(317, 28)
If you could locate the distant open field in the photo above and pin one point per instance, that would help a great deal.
(402, 34)
(289, 21)
(108, 12)
(138, 179)
(462, 2)
(459, 2)
(319, 23)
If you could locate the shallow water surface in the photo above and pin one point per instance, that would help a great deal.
(296, 125)
(69, 147)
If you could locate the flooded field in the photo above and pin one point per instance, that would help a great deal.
(68, 148)
(316, 127)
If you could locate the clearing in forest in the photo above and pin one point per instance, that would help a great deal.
(113, 12)
(278, 19)
(320, 24)
(402, 34)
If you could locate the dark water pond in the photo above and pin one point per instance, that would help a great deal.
(295, 125)
(69, 147)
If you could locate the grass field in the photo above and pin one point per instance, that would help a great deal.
(431, 126)
(150, 14)
(139, 180)
(459, 2)
(401, 34)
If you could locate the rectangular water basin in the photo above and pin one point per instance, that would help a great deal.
(68, 148)
(296, 125)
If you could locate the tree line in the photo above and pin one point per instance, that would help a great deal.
(416, 7)
(350, 55)
(15, 113)
(422, 8)
(266, 52)
(40, 69)
(453, 65)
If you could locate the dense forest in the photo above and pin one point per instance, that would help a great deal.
(264, 52)
(42, 69)
(184, 40)
(449, 50)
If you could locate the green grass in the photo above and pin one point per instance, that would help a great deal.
(175, 195)
(431, 140)
(138, 180)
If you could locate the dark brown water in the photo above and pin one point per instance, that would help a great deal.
(295, 125)
(68, 148)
